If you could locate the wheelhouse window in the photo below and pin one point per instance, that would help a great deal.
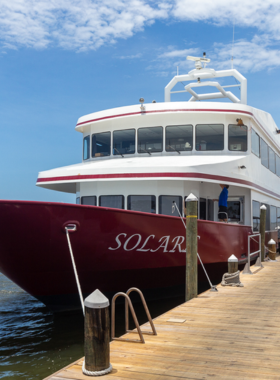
(278, 165)
(273, 218)
(112, 201)
(167, 205)
(255, 141)
(86, 148)
(237, 138)
(179, 138)
(101, 144)
(256, 216)
(264, 153)
(124, 142)
(271, 160)
(209, 137)
(150, 140)
(144, 203)
(89, 200)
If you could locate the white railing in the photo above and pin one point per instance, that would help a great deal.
(247, 269)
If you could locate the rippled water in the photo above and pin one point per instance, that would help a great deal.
(35, 343)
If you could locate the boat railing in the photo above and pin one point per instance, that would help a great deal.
(247, 269)
(128, 304)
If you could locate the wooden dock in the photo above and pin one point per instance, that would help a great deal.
(230, 334)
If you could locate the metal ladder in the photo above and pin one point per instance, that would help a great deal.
(128, 303)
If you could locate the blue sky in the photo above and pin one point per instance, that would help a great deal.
(62, 59)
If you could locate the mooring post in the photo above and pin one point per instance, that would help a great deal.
(272, 249)
(97, 335)
(191, 247)
(262, 230)
(232, 264)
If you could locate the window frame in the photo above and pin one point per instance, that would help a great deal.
(179, 125)
(88, 137)
(209, 150)
(121, 130)
(158, 126)
(110, 150)
(234, 150)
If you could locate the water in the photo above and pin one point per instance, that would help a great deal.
(35, 343)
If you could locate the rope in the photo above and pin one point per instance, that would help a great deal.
(75, 271)
(96, 373)
(231, 279)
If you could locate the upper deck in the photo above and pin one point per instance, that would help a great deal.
(173, 139)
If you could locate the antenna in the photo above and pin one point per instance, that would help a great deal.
(232, 45)
(199, 61)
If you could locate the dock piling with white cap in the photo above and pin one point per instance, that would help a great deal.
(191, 247)
(97, 335)
(262, 230)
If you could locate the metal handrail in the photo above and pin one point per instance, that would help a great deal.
(113, 316)
(146, 310)
(247, 269)
(223, 212)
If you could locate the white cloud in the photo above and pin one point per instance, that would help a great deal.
(255, 55)
(82, 25)
(75, 24)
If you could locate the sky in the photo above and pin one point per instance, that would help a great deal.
(62, 59)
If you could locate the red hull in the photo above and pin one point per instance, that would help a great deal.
(113, 249)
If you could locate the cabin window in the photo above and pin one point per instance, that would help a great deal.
(77, 200)
(209, 137)
(112, 201)
(278, 165)
(271, 160)
(89, 200)
(150, 140)
(202, 208)
(273, 218)
(86, 148)
(179, 138)
(237, 138)
(210, 209)
(101, 144)
(124, 142)
(256, 216)
(144, 203)
(255, 143)
(166, 205)
(264, 153)
(278, 218)
(235, 209)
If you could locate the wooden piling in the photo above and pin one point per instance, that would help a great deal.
(97, 332)
(191, 247)
(262, 231)
(232, 264)
(272, 249)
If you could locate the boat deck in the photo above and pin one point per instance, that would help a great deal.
(231, 334)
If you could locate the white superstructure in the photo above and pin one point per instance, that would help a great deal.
(142, 157)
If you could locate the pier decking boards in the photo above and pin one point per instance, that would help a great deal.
(230, 334)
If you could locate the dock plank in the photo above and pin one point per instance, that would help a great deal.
(230, 334)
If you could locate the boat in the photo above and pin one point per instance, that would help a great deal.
(139, 164)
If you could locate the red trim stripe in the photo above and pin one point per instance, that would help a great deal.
(159, 111)
(158, 175)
